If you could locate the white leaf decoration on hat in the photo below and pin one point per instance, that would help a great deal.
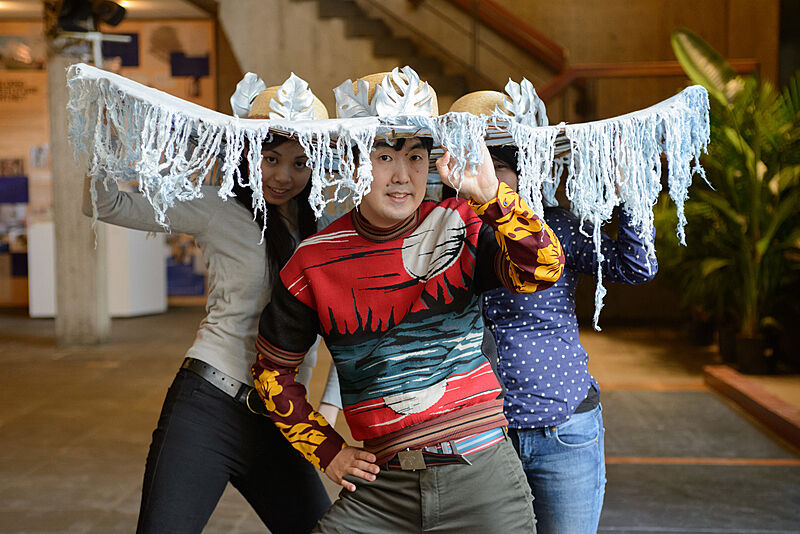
(295, 101)
(524, 104)
(414, 97)
(349, 104)
(246, 91)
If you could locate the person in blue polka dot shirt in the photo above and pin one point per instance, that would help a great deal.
(553, 403)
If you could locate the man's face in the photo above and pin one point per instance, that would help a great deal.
(398, 183)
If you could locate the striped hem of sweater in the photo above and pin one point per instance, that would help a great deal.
(470, 444)
(281, 357)
(457, 424)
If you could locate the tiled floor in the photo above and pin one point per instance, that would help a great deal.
(75, 425)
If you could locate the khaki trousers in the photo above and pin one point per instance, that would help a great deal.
(491, 495)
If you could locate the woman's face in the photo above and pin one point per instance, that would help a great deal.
(284, 172)
(505, 173)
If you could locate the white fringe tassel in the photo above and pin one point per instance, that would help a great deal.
(130, 132)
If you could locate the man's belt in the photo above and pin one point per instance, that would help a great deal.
(451, 452)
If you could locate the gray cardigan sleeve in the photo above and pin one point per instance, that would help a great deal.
(331, 394)
(305, 368)
(133, 210)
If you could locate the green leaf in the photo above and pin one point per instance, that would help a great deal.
(723, 207)
(786, 178)
(709, 265)
(742, 147)
(787, 208)
(793, 241)
(790, 97)
(705, 66)
(743, 236)
(771, 322)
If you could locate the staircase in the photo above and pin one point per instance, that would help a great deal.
(446, 81)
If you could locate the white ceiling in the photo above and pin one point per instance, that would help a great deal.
(136, 9)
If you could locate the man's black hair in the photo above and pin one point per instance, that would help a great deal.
(426, 142)
(399, 143)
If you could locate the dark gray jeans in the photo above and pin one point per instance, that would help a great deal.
(206, 439)
(491, 495)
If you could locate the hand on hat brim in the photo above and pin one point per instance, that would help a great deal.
(478, 183)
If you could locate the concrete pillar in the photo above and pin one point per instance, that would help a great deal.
(81, 289)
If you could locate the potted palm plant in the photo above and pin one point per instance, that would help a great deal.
(743, 235)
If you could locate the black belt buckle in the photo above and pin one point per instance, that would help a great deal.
(411, 460)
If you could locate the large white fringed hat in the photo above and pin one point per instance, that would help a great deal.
(133, 132)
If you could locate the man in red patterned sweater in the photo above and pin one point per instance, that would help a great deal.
(393, 288)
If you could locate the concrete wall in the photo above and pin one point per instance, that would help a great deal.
(274, 38)
(442, 29)
(81, 291)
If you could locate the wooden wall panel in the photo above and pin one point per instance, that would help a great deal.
(638, 30)
(753, 31)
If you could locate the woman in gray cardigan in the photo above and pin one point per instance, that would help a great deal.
(211, 430)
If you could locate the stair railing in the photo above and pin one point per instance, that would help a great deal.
(516, 31)
(631, 69)
(536, 45)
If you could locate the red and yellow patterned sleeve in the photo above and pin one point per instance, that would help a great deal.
(530, 257)
(274, 372)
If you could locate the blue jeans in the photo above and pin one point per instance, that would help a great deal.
(565, 466)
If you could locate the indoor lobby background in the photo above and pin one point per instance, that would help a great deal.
(94, 324)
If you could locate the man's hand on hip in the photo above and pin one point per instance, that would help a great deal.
(352, 461)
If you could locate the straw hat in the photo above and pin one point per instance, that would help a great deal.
(520, 103)
(481, 103)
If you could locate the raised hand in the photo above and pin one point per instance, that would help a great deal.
(478, 184)
(352, 461)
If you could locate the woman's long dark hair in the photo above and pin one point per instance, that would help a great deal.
(279, 241)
